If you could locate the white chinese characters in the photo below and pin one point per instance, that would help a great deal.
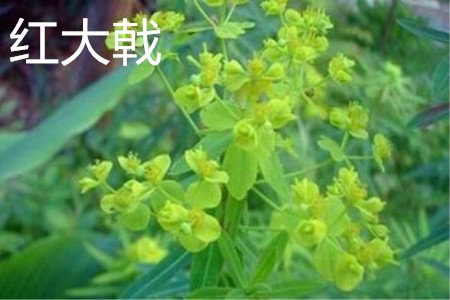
(127, 41)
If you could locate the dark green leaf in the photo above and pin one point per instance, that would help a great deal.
(290, 289)
(73, 117)
(210, 293)
(440, 235)
(440, 81)
(433, 114)
(205, 268)
(425, 32)
(232, 259)
(152, 281)
(47, 269)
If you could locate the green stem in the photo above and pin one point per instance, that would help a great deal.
(259, 228)
(310, 169)
(204, 14)
(365, 157)
(230, 13)
(266, 199)
(170, 89)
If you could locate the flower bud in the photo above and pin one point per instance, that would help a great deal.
(311, 232)
(130, 164)
(168, 20)
(340, 67)
(172, 216)
(348, 272)
(245, 135)
(101, 169)
(279, 113)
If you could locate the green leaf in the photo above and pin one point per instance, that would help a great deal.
(204, 194)
(71, 118)
(232, 259)
(440, 81)
(233, 214)
(9, 138)
(210, 293)
(134, 130)
(141, 72)
(47, 268)
(332, 148)
(137, 219)
(433, 114)
(218, 116)
(242, 167)
(290, 289)
(206, 267)
(438, 236)
(152, 281)
(232, 30)
(214, 144)
(273, 173)
(325, 258)
(425, 32)
(269, 258)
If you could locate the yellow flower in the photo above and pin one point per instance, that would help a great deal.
(206, 168)
(311, 232)
(348, 272)
(147, 250)
(101, 169)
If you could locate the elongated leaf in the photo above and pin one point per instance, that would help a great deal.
(242, 167)
(47, 269)
(291, 289)
(232, 259)
(210, 293)
(272, 171)
(9, 138)
(153, 280)
(270, 257)
(233, 215)
(425, 32)
(214, 144)
(440, 235)
(437, 265)
(433, 114)
(206, 266)
(73, 117)
(440, 81)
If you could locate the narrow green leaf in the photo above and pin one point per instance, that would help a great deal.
(9, 138)
(438, 236)
(437, 265)
(273, 173)
(71, 118)
(232, 259)
(440, 81)
(425, 32)
(242, 167)
(332, 148)
(433, 114)
(291, 289)
(269, 258)
(206, 267)
(141, 72)
(153, 280)
(210, 293)
(214, 144)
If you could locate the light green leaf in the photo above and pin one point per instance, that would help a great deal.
(232, 30)
(325, 258)
(151, 282)
(71, 118)
(141, 72)
(272, 254)
(273, 173)
(242, 168)
(232, 259)
(204, 194)
(134, 130)
(332, 148)
(218, 116)
(214, 144)
(137, 219)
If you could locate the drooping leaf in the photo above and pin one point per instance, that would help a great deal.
(206, 267)
(242, 167)
(71, 118)
(435, 113)
(47, 269)
(153, 280)
(436, 237)
(269, 258)
(231, 259)
(425, 32)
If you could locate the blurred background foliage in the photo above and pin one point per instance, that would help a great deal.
(49, 229)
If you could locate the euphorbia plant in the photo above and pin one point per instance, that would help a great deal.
(241, 110)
